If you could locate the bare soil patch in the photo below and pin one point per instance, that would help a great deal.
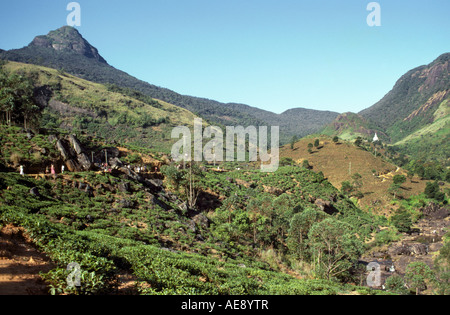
(20, 264)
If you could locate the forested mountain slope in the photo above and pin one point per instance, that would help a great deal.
(66, 49)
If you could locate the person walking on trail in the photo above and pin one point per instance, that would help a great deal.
(53, 170)
(21, 171)
(62, 169)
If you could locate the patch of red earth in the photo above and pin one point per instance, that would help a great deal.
(20, 264)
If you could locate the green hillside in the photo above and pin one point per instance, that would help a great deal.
(350, 126)
(431, 141)
(56, 50)
(412, 119)
(236, 239)
(110, 112)
(413, 101)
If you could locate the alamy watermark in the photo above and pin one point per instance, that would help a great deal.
(74, 17)
(374, 18)
(374, 278)
(239, 141)
(74, 278)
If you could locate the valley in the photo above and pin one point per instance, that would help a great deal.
(87, 176)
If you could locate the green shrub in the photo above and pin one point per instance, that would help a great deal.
(402, 220)
(386, 237)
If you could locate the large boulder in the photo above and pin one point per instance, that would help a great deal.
(73, 154)
(65, 153)
(115, 163)
(124, 187)
(72, 166)
(76, 145)
(112, 152)
(131, 174)
(84, 161)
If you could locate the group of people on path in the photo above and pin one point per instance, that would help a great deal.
(51, 170)
(106, 168)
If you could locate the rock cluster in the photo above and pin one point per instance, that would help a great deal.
(73, 154)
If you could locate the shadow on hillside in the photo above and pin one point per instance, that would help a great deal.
(208, 202)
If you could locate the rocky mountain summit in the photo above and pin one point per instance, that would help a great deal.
(65, 48)
(68, 39)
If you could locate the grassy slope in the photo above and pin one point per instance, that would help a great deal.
(93, 97)
(436, 134)
(350, 126)
(334, 161)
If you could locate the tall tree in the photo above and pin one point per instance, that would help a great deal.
(300, 225)
(293, 141)
(16, 98)
(334, 246)
(7, 97)
(317, 143)
(192, 183)
(418, 275)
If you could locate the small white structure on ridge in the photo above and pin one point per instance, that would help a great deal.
(375, 139)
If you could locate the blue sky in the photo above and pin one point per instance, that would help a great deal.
(271, 54)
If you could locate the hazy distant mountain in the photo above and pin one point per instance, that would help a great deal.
(293, 122)
(66, 49)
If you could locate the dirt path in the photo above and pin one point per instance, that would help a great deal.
(20, 264)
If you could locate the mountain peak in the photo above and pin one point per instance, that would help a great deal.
(68, 38)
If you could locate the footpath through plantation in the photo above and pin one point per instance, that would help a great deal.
(168, 248)
(191, 229)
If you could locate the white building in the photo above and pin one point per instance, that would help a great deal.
(375, 139)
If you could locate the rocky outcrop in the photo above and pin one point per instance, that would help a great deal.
(326, 206)
(84, 161)
(435, 212)
(76, 145)
(68, 38)
(73, 154)
(415, 249)
(61, 146)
